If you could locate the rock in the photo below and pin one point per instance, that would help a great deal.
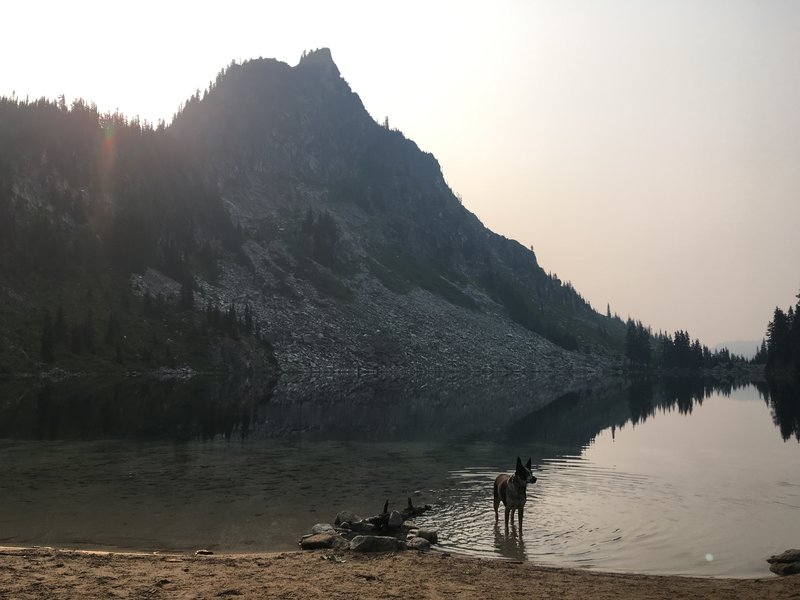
(785, 568)
(408, 525)
(203, 552)
(323, 528)
(395, 520)
(317, 541)
(346, 516)
(787, 563)
(419, 544)
(323, 540)
(432, 535)
(373, 543)
(787, 556)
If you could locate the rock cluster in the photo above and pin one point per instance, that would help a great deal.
(385, 532)
(787, 563)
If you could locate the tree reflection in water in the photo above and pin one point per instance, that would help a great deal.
(783, 398)
(512, 409)
(574, 419)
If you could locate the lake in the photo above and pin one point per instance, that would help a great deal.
(667, 477)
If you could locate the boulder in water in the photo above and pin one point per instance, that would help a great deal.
(346, 516)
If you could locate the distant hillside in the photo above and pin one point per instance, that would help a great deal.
(276, 214)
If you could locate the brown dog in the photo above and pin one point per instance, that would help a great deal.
(511, 489)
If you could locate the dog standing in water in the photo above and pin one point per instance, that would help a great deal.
(511, 489)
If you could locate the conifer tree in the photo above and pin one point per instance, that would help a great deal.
(778, 341)
(232, 323)
(248, 319)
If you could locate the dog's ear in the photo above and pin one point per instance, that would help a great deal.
(528, 464)
(519, 464)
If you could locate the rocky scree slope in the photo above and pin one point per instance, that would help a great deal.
(355, 252)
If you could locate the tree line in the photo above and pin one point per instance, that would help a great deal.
(125, 338)
(672, 351)
(164, 214)
(780, 350)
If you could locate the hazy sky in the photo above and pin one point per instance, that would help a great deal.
(648, 150)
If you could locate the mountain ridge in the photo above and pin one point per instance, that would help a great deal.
(337, 235)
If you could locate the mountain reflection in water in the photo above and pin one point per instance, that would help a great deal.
(651, 476)
(363, 408)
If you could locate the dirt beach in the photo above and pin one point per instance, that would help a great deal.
(49, 573)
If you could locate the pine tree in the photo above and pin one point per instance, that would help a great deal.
(643, 343)
(667, 352)
(794, 363)
(761, 354)
(637, 343)
(248, 319)
(778, 341)
(232, 323)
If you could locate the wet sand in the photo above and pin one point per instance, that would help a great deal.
(40, 573)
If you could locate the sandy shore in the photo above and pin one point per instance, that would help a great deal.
(49, 573)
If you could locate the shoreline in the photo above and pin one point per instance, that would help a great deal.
(44, 572)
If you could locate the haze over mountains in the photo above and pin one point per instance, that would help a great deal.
(745, 348)
(273, 214)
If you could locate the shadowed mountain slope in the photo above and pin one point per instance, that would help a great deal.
(275, 206)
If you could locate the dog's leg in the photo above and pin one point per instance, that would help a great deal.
(496, 502)
(506, 516)
(521, 510)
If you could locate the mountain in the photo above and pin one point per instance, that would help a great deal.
(273, 220)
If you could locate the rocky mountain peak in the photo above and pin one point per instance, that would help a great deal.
(320, 60)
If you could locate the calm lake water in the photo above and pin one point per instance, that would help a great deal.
(671, 477)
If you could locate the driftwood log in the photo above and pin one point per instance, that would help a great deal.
(388, 531)
(381, 521)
